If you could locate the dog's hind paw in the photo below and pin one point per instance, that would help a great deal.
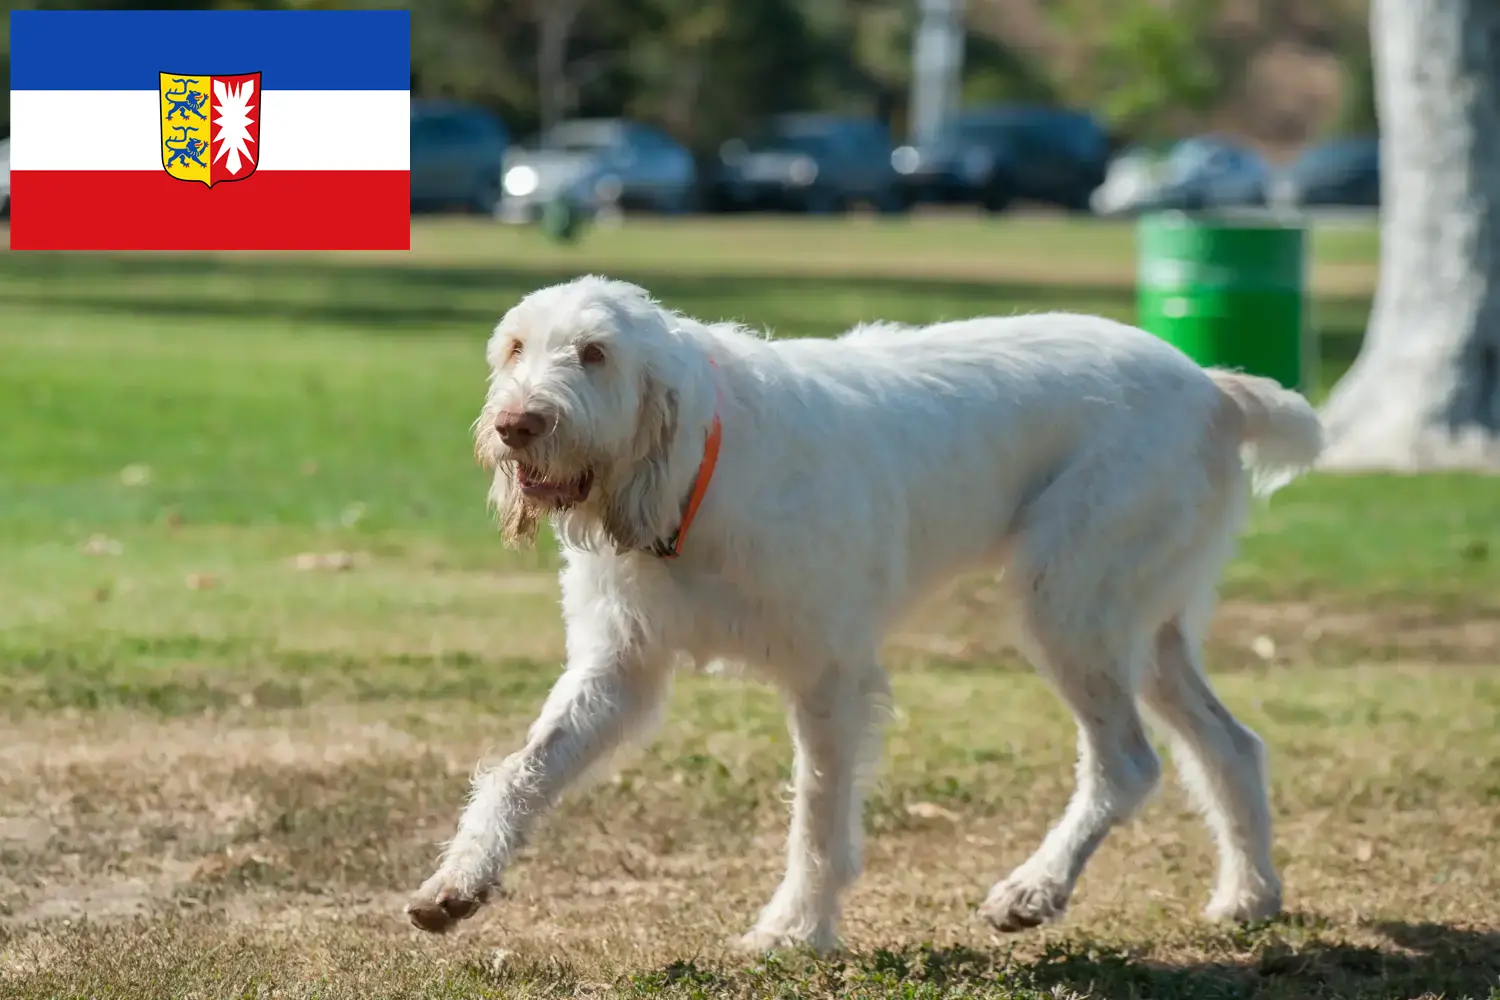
(438, 906)
(1245, 906)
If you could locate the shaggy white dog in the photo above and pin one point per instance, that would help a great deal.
(829, 485)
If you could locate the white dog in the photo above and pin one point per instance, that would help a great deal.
(778, 505)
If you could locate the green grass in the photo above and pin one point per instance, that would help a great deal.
(329, 396)
(219, 772)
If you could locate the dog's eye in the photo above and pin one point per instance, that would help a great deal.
(591, 354)
(514, 352)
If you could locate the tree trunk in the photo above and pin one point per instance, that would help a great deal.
(1424, 392)
(555, 26)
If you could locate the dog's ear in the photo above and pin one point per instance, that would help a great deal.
(636, 512)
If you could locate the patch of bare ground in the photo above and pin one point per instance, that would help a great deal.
(222, 854)
(968, 625)
(112, 815)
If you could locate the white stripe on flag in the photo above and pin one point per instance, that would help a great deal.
(121, 130)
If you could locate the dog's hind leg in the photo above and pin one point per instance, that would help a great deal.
(1223, 766)
(835, 726)
(1221, 762)
(1117, 771)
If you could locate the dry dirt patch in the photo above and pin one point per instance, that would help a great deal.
(966, 624)
(292, 836)
(117, 814)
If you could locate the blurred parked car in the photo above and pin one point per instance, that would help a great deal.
(456, 155)
(4, 178)
(810, 163)
(1344, 172)
(996, 156)
(1206, 172)
(1135, 174)
(600, 162)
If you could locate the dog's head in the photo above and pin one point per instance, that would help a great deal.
(581, 413)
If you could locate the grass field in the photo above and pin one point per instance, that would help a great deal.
(255, 628)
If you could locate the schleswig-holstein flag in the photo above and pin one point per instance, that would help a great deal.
(210, 130)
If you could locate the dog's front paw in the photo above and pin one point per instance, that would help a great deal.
(1021, 902)
(441, 903)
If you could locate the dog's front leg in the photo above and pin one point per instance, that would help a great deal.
(592, 709)
(835, 726)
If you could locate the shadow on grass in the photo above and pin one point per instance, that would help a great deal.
(1425, 959)
(382, 297)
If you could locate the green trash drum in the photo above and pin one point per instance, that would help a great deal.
(1228, 294)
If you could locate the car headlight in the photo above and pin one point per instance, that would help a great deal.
(977, 164)
(906, 159)
(802, 171)
(521, 181)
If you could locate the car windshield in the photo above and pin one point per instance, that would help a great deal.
(582, 137)
(974, 129)
(781, 143)
(1346, 153)
(1193, 157)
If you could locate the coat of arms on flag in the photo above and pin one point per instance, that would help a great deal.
(210, 126)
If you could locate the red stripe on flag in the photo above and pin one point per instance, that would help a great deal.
(270, 210)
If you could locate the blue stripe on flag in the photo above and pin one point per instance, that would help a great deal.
(293, 49)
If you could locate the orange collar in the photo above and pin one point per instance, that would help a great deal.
(671, 548)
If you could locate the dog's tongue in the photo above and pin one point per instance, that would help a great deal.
(538, 488)
(551, 491)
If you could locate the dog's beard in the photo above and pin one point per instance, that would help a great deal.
(519, 515)
(528, 488)
(519, 520)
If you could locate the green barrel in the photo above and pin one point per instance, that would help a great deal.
(1228, 293)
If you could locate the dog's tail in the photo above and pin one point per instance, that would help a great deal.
(1282, 435)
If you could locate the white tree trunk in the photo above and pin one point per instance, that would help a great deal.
(1424, 392)
(555, 21)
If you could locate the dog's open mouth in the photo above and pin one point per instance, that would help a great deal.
(536, 485)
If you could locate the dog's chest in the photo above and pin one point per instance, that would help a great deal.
(720, 618)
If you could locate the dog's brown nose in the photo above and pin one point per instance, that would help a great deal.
(518, 428)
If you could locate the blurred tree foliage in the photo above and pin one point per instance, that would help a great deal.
(708, 69)
(1147, 65)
